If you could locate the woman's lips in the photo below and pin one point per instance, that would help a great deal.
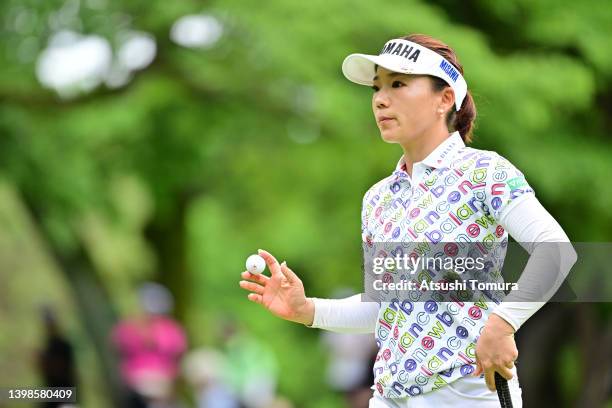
(385, 119)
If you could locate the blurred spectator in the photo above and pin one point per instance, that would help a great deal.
(56, 360)
(150, 346)
(204, 369)
(351, 357)
(252, 368)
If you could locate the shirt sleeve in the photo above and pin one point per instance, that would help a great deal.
(551, 258)
(349, 315)
(366, 209)
(504, 185)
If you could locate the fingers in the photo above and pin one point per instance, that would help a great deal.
(489, 375)
(505, 372)
(253, 287)
(255, 298)
(255, 277)
(271, 261)
(479, 370)
(289, 274)
(490, 379)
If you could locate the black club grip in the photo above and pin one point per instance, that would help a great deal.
(503, 391)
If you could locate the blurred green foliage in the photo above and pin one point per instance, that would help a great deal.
(260, 142)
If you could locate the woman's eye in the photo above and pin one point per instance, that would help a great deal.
(375, 88)
(397, 84)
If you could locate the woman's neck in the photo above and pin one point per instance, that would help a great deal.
(420, 147)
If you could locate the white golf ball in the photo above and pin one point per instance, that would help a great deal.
(255, 264)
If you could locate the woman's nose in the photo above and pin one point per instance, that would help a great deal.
(381, 99)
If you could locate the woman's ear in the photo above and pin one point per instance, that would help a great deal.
(448, 99)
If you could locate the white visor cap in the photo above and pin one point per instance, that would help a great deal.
(405, 57)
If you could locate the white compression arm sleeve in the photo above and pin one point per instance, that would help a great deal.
(551, 258)
(349, 315)
(528, 222)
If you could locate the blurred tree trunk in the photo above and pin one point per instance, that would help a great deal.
(540, 341)
(167, 235)
(93, 306)
(596, 354)
(98, 318)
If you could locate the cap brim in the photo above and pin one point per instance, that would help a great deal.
(359, 68)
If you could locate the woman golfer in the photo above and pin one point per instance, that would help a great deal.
(432, 353)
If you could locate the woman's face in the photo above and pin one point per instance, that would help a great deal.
(405, 106)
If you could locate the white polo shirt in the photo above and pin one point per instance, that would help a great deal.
(456, 194)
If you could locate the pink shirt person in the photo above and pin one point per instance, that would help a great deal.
(150, 346)
(154, 345)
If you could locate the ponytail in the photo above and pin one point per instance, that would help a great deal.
(462, 120)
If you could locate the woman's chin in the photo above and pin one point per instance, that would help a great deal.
(389, 137)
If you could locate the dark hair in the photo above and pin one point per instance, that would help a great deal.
(462, 120)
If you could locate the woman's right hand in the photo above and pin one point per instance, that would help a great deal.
(282, 293)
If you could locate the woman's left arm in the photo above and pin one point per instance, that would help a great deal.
(551, 258)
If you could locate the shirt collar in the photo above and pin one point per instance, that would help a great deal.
(441, 156)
